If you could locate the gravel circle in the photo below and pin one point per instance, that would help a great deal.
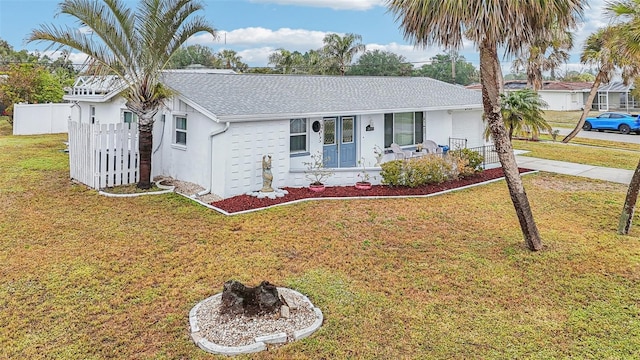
(240, 330)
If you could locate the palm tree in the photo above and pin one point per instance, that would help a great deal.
(490, 24)
(286, 61)
(341, 49)
(231, 60)
(536, 58)
(133, 45)
(315, 62)
(522, 112)
(627, 33)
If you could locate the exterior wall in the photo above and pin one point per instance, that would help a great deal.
(439, 126)
(32, 119)
(109, 112)
(238, 156)
(563, 101)
(188, 162)
(468, 125)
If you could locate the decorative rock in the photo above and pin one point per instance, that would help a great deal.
(288, 300)
(276, 193)
(284, 311)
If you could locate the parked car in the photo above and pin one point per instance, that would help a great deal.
(623, 122)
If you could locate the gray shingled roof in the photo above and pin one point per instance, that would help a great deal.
(234, 97)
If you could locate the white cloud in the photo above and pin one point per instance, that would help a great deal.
(333, 4)
(291, 39)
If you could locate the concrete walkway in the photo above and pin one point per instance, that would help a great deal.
(561, 167)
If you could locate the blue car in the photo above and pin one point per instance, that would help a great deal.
(618, 121)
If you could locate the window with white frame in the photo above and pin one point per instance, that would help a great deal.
(92, 114)
(298, 136)
(180, 132)
(129, 117)
(403, 128)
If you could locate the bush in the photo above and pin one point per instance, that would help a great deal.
(416, 172)
(392, 172)
(466, 161)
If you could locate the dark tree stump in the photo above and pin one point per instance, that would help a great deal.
(239, 299)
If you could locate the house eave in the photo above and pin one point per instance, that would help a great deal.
(261, 117)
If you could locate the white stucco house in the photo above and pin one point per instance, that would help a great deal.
(559, 95)
(216, 127)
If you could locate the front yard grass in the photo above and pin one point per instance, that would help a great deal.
(584, 151)
(84, 276)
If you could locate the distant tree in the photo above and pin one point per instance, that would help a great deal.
(522, 111)
(192, 55)
(29, 83)
(316, 62)
(260, 70)
(340, 50)
(577, 76)
(229, 59)
(515, 76)
(441, 69)
(286, 62)
(381, 63)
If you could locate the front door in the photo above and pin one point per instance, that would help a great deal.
(339, 142)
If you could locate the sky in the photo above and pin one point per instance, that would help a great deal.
(257, 28)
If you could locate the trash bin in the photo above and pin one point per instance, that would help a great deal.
(445, 148)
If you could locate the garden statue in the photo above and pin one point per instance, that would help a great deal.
(267, 176)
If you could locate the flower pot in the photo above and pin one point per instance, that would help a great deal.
(363, 185)
(316, 188)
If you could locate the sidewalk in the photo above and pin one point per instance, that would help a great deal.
(561, 167)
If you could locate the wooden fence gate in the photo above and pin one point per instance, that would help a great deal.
(105, 155)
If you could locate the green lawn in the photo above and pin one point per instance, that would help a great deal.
(584, 151)
(84, 276)
(565, 119)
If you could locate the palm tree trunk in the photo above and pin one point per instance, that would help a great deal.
(587, 108)
(489, 65)
(145, 143)
(626, 218)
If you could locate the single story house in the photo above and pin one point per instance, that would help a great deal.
(216, 128)
(559, 95)
(615, 95)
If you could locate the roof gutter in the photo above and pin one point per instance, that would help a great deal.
(210, 159)
(258, 117)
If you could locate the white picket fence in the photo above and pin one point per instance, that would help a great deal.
(103, 156)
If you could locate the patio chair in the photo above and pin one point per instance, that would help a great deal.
(399, 153)
(431, 147)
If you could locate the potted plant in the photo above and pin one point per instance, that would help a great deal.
(363, 183)
(316, 172)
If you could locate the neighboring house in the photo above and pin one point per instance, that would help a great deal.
(216, 128)
(571, 96)
(615, 96)
(559, 95)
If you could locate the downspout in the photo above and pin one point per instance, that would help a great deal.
(209, 162)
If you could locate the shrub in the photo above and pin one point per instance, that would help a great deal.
(392, 173)
(416, 172)
(466, 161)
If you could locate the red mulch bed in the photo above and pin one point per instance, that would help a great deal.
(246, 202)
